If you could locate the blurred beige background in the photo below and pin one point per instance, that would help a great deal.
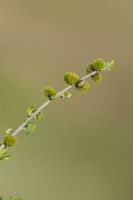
(84, 147)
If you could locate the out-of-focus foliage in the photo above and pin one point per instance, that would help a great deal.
(11, 198)
(4, 154)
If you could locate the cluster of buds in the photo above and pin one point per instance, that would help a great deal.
(82, 85)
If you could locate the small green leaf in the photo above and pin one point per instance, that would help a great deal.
(39, 116)
(68, 94)
(110, 64)
(4, 154)
(31, 110)
(30, 127)
(9, 131)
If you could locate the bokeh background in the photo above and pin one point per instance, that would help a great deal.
(83, 149)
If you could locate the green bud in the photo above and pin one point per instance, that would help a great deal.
(4, 154)
(96, 77)
(97, 65)
(90, 68)
(30, 127)
(50, 92)
(71, 78)
(9, 140)
(83, 86)
(68, 94)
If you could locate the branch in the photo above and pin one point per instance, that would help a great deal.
(93, 70)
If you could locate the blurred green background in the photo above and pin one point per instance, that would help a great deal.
(84, 147)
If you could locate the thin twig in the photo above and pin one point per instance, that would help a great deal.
(46, 103)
